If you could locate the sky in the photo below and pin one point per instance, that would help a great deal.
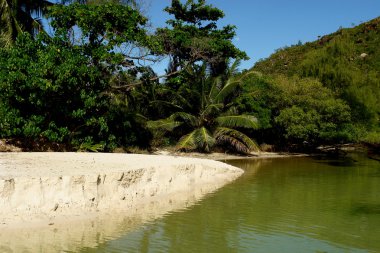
(266, 25)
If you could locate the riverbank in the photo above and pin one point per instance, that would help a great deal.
(45, 189)
(226, 156)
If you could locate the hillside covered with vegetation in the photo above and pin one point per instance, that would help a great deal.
(345, 65)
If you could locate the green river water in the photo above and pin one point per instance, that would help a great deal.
(279, 205)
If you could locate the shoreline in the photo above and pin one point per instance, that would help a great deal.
(224, 156)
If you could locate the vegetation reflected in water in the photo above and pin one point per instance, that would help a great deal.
(282, 205)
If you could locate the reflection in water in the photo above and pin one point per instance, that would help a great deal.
(359, 209)
(67, 237)
(87, 233)
(279, 205)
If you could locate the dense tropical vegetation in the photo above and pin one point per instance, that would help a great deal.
(90, 85)
(347, 63)
(210, 118)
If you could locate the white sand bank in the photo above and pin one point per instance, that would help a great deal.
(54, 202)
(48, 186)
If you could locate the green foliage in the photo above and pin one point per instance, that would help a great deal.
(307, 111)
(194, 36)
(372, 137)
(52, 90)
(59, 89)
(347, 80)
(236, 139)
(111, 22)
(105, 31)
(211, 119)
(194, 13)
(296, 111)
(244, 121)
(200, 139)
(87, 145)
(254, 98)
(346, 62)
(85, 86)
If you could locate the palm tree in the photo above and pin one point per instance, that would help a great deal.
(215, 120)
(17, 16)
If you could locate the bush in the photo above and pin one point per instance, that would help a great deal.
(309, 112)
(50, 91)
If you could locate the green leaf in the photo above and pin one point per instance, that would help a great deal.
(245, 121)
(233, 70)
(239, 141)
(187, 142)
(186, 117)
(88, 146)
(212, 108)
(215, 88)
(228, 88)
(204, 140)
(163, 124)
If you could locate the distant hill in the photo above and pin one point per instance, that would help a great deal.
(362, 39)
(347, 62)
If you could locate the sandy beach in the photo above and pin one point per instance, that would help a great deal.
(49, 188)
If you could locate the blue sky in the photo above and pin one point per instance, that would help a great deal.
(266, 25)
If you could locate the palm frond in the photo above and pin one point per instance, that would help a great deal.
(5, 39)
(212, 108)
(203, 70)
(182, 100)
(232, 84)
(186, 117)
(252, 72)
(166, 125)
(204, 140)
(215, 88)
(232, 110)
(9, 24)
(247, 74)
(21, 16)
(234, 69)
(164, 104)
(239, 141)
(89, 146)
(138, 117)
(245, 121)
(187, 142)
(228, 88)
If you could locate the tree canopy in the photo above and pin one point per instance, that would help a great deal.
(194, 36)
